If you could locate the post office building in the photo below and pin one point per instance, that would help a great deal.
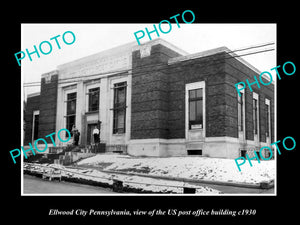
(155, 99)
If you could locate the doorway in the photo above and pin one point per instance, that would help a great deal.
(90, 137)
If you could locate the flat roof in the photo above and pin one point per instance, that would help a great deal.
(213, 52)
(128, 47)
(133, 46)
(33, 94)
(162, 42)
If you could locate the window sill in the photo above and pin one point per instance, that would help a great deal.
(196, 129)
(119, 134)
(92, 112)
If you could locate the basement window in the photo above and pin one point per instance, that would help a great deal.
(187, 190)
(195, 152)
(243, 153)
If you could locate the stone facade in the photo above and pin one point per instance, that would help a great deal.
(159, 109)
(48, 102)
(150, 100)
(33, 104)
(195, 70)
(158, 77)
(237, 72)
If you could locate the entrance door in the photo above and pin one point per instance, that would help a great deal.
(90, 137)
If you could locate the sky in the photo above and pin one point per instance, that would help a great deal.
(94, 38)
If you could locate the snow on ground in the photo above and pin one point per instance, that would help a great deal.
(143, 183)
(163, 186)
(214, 169)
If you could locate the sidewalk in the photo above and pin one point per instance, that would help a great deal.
(195, 170)
(207, 176)
(130, 183)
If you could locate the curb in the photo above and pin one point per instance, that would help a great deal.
(266, 184)
(261, 185)
(124, 189)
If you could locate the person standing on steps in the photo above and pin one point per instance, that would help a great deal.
(76, 135)
(96, 134)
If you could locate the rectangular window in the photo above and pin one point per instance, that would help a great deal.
(255, 119)
(71, 110)
(196, 108)
(257, 153)
(119, 108)
(35, 125)
(93, 99)
(268, 116)
(243, 153)
(240, 112)
(194, 152)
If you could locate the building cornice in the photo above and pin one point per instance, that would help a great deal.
(162, 42)
(33, 94)
(214, 52)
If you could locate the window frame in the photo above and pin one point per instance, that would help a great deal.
(89, 93)
(268, 115)
(241, 116)
(243, 112)
(68, 116)
(195, 99)
(35, 113)
(190, 86)
(255, 121)
(256, 112)
(119, 107)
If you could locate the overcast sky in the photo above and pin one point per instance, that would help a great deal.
(94, 38)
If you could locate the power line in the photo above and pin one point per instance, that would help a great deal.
(250, 47)
(251, 53)
(75, 79)
(214, 61)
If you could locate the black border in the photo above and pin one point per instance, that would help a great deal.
(34, 209)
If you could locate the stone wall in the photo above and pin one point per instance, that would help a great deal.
(48, 103)
(32, 104)
(238, 72)
(150, 104)
(209, 69)
(158, 95)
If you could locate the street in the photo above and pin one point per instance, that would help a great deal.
(35, 185)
